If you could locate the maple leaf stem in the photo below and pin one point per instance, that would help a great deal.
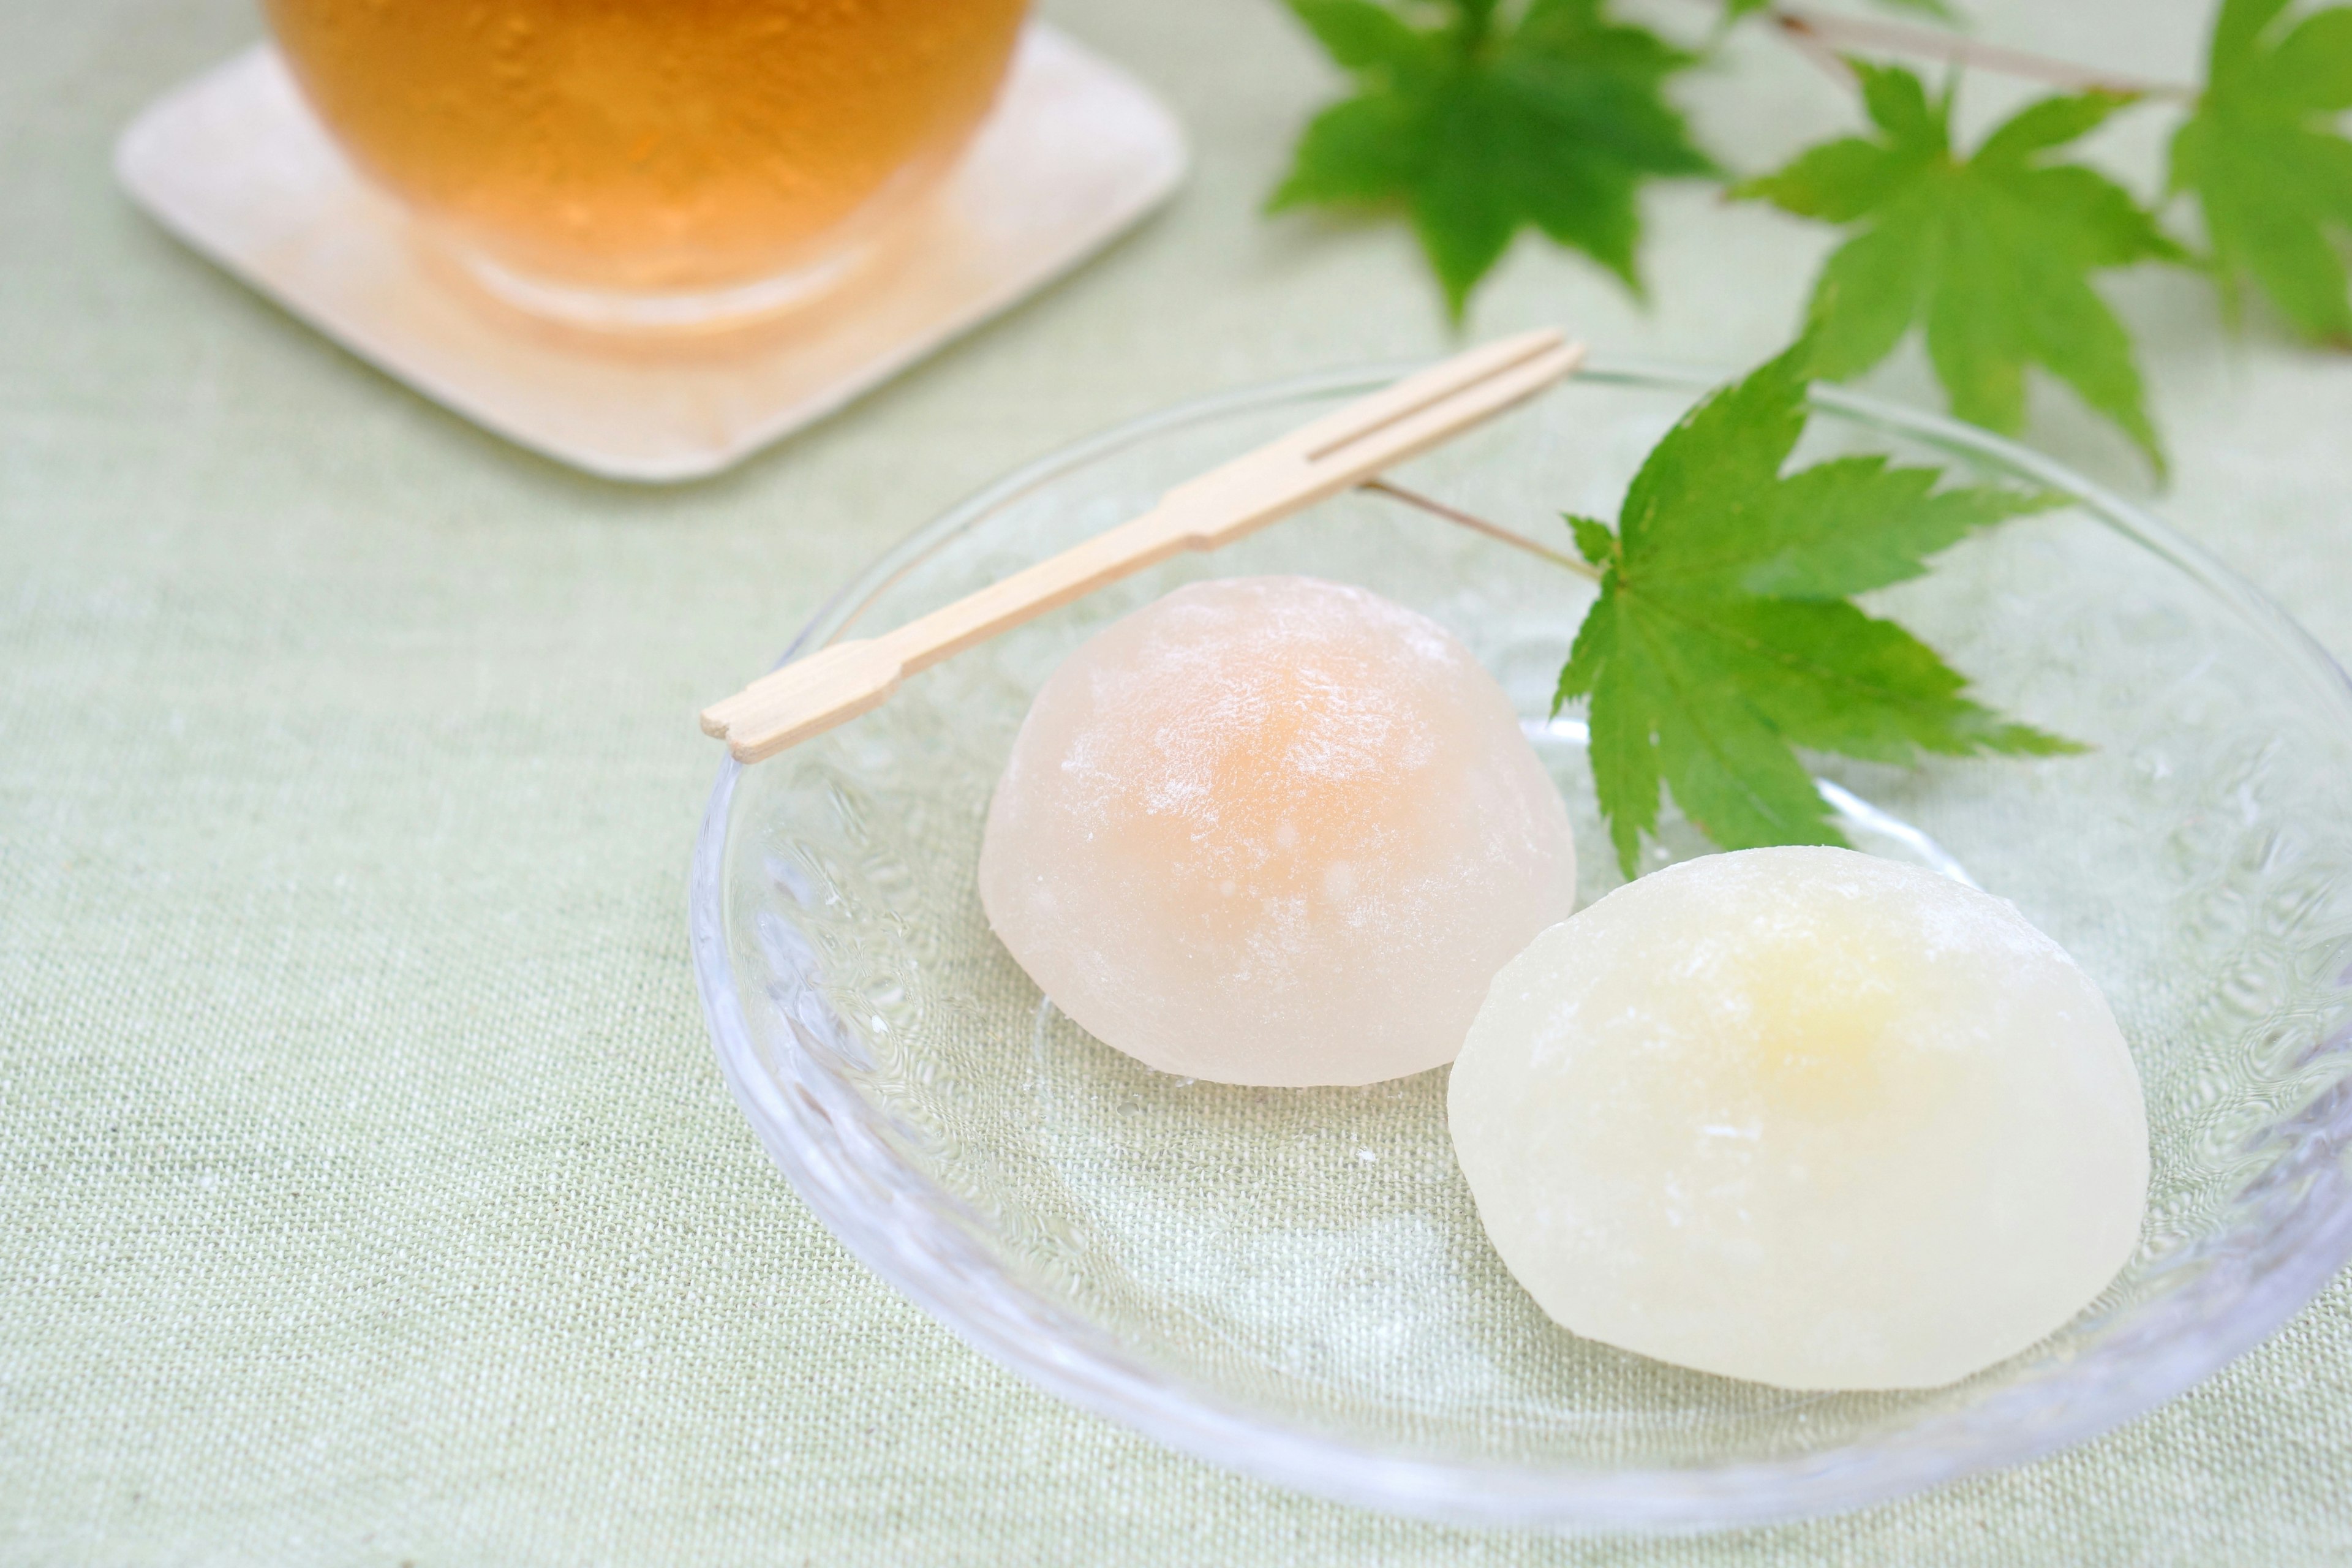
(1436, 508)
(1814, 33)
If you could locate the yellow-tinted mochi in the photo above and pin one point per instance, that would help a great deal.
(1804, 1117)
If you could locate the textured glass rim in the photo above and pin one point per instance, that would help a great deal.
(934, 1249)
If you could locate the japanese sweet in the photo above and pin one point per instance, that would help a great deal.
(1274, 830)
(1805, 1117)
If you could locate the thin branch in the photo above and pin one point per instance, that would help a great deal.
(1818, 51)
(1480, 525)
(1811, 28)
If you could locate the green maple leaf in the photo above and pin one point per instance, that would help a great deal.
(1724, 634)
(2262, 155)
(1990, 254)
(1478, 129)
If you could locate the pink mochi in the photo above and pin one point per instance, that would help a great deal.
(1274, 830)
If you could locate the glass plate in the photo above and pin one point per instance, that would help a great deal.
(1293, 1282)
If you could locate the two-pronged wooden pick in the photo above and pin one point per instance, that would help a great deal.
(1311, 464)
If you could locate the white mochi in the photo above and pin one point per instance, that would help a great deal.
(1804, 1117)
(1274, 830)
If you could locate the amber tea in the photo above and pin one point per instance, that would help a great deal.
(652, 145)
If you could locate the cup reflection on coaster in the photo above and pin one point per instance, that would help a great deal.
(652, 166)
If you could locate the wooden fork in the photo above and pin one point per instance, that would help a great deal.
(1312, 463)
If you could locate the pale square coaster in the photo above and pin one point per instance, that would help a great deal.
(235, 163)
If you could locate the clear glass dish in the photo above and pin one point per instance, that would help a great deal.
(1293, 1283)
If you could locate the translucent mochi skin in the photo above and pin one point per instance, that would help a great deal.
(1803, 1117)
(1274, 830)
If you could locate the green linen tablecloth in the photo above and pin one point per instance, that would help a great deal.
(369, 1193)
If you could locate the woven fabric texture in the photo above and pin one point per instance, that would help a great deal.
(370, 1193)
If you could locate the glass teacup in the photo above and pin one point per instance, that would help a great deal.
(651, 163)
